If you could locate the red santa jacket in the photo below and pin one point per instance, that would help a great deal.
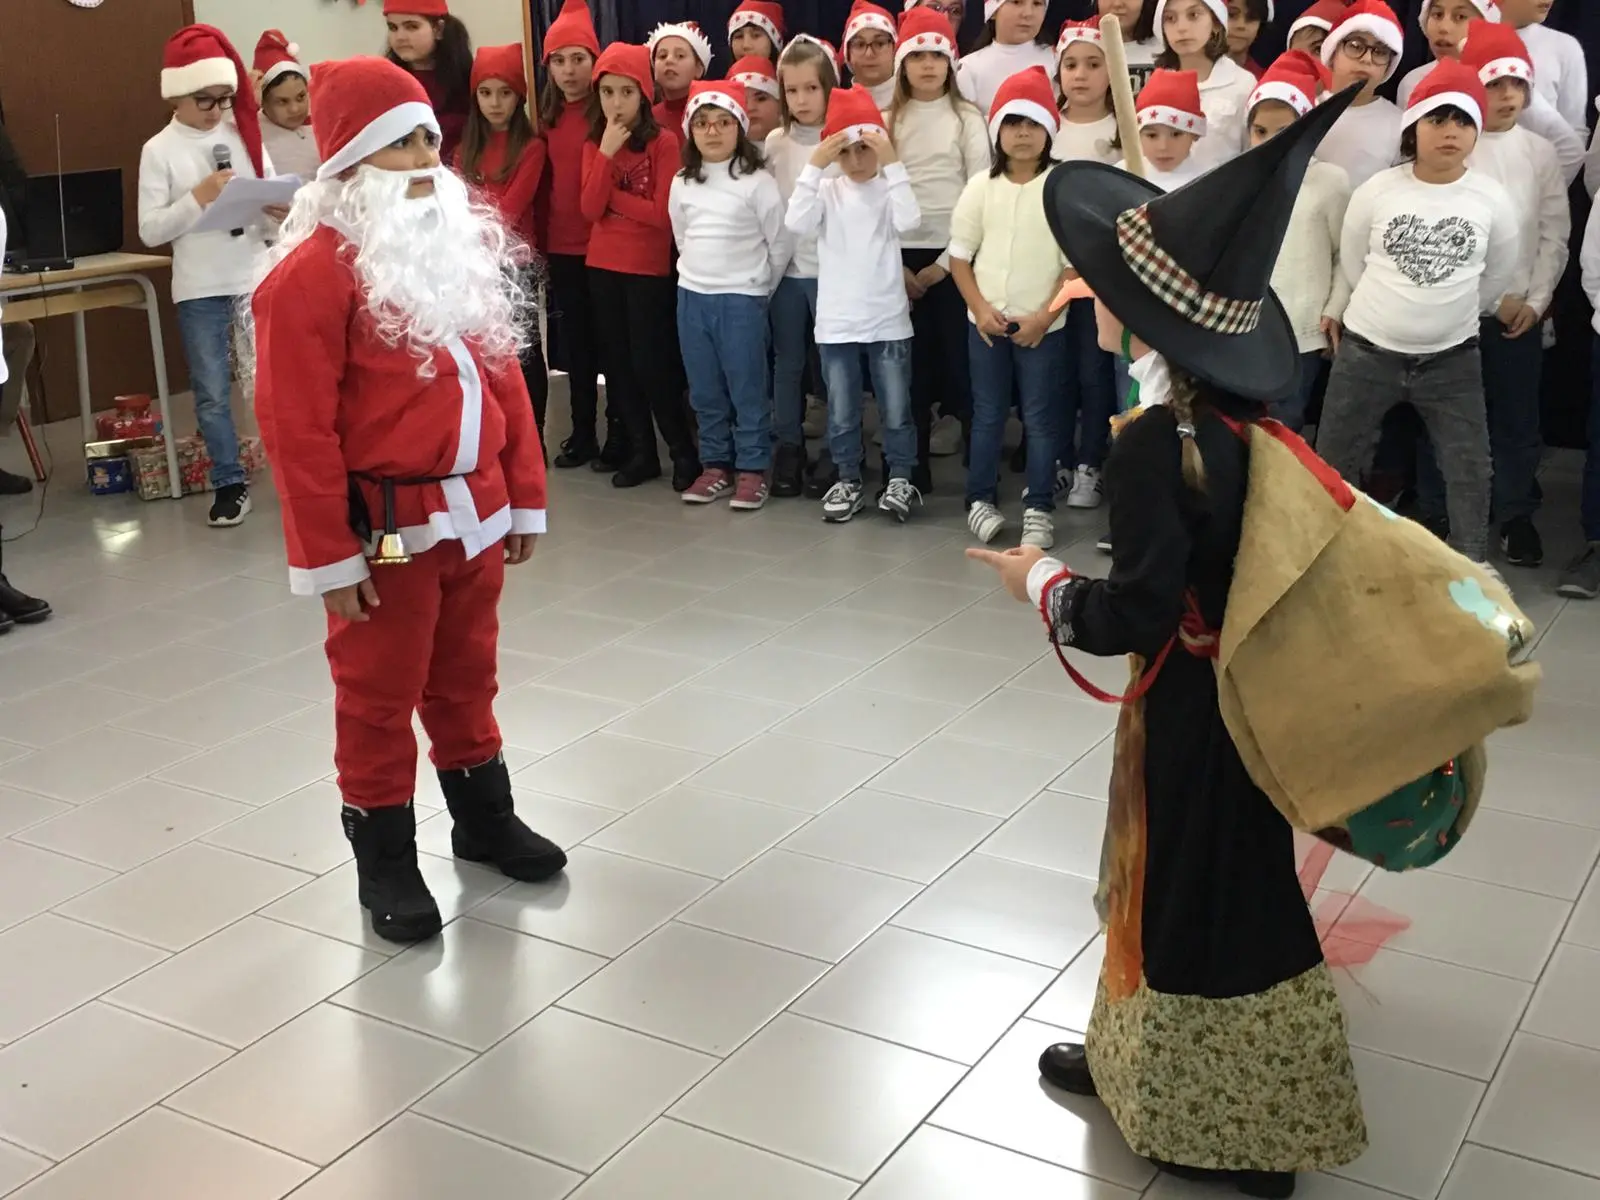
(333, 400)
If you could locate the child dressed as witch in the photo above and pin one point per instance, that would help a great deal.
(1217, 1041)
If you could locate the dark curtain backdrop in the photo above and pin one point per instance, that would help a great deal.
(1566, 381)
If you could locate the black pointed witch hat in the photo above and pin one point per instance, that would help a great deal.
(1189, 272)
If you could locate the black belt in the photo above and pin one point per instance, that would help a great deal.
(361, 516)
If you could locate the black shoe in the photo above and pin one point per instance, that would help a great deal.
(685, 470)
(634, 473)
(390, 884)
(1520, 542)
(789, 471)
(615, 454)
(823, 475)
(1265, 1185)
(19, 607)
(5, 623)
(487, 828)
(14, 485)
(1438, 526)
(577, 452)
(1066, 1066)
(230, 507)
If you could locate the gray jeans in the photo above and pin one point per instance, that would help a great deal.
(17, 340)
(1446, 389)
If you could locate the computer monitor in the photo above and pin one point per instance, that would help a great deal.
(82, 209)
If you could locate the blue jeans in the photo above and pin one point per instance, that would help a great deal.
(206, 326)
(723, 339)
(1291, 409)
(1034, 374)
(794, 315)
(1091, 391)
(1124, 381)
(889, 364)
(1511, 372)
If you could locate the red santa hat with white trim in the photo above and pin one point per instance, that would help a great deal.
(275, 56)
(1172, 98)
(1295, 79)
(201, 56)
(1375, 19)
(757, 74)
(1219, 10)
(1489, 8)
(865, 15)
(925, 30)
(726, 94)
(1028, 94)
(764, 15)
(573, 26)
(690, 32)
(433, 9)
(1496, 52)
(1448, 84)
(362, 105)
(822, 44)
(852, 112)
(1074, 32)
(1323, 15)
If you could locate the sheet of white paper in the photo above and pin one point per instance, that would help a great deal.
(242, 200)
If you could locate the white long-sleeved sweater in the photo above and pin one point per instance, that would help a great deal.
(729, 230)
(171, 166)
(1364, 141)
(1224, 98)
(1424, 260)
(981, 73)
(1540, 116)
(788, 153)
(861, 293)
(1168, 181)
(1560, 73)
(292, 151)
(1525, 165)
(942, 146)
(1077, 141)
(1589, 260)
(1307, 277)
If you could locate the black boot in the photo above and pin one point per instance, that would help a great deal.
(487, 828)
(19, 606)
(821, 476)
(1066, 1066)
(14, 485)
(789, 470)
(390, 885)
(1264, 1185)
(617, 450)
(577, 451)
(640, 470)
(685, 470)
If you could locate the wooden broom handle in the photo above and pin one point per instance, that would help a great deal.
(1122, 95)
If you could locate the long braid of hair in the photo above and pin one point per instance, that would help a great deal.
(1185, 390)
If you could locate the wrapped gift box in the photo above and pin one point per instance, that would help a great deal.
(194, 466)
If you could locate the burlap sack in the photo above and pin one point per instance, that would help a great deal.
(1358, 651)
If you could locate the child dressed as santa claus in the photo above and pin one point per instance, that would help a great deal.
(390, 401)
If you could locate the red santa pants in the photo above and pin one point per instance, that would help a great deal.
(428, 648)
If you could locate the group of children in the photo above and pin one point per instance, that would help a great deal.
(718, 249)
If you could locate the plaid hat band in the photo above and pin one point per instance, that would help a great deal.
(1174, 286)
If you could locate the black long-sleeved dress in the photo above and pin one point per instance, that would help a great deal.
(1218, 1040)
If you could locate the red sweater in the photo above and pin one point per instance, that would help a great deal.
(513, 196)
(669, 115)
(625, 199)
(451, 121)
(566, 229)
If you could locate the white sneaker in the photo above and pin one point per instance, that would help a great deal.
(1085, 489)
(897, 498)
(816, 421)
(843, 501)
(944, 439)
(1038, 529)
(985, 521)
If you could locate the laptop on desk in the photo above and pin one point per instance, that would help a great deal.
(69, 216)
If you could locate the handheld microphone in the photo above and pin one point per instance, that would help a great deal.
(223, 158)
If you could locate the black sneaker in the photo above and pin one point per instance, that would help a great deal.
(14, 485)
(1520, 542)
(230, 507)
(789, 471)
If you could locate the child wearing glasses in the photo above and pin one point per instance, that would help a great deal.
(1364, 47)
(214, 134)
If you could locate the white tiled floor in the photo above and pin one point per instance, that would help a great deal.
(834, 815)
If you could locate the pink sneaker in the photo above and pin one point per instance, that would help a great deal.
(714, 483)
(751, 492)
